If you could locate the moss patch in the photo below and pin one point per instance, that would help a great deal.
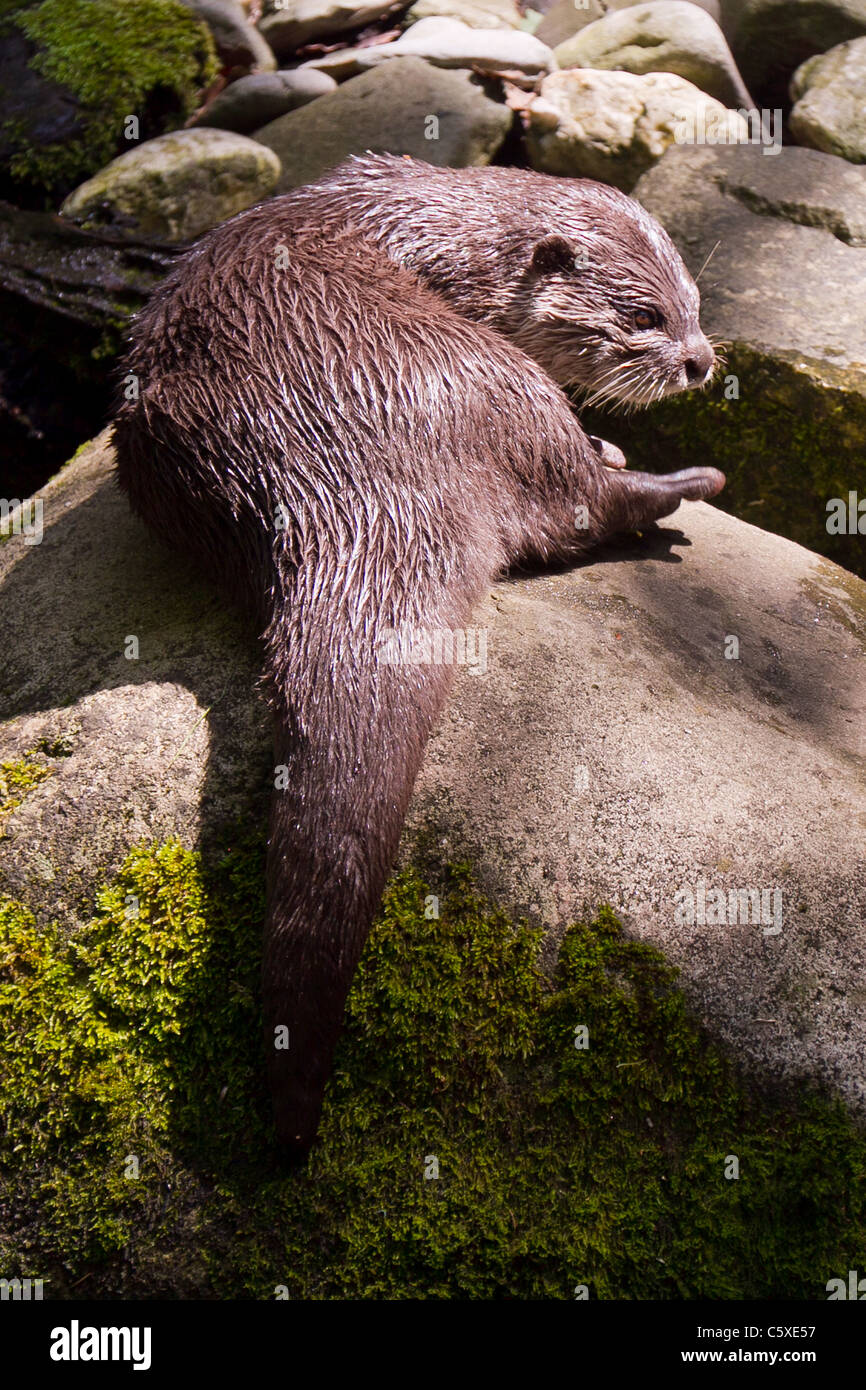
(17, 779)
(144, 58)
(136, 1155)
(795, 438)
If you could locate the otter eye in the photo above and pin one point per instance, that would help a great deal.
(645, 318)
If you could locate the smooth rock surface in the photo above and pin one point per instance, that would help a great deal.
(446, 43)
(389, 110)
(609, 751)
(176, 186)
(613, 126)
(665, 36)
(262, 97)
(829, 93)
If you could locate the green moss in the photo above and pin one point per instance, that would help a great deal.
(795, 438)
(558, 1166)
(144, 58)
(17, 778)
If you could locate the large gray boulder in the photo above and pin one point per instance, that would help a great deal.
(612, 746)
(175, 187)
(665, 36)
(829, 94)
(404, 106)
(783, 241)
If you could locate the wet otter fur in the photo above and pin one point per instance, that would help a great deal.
(357, 437)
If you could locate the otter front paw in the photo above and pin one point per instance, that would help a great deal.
(635, 499)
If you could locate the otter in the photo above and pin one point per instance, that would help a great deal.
(351, 411)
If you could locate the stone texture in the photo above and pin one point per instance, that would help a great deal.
(666, 36)
(613, 126)
(829, 93)
(389, 110)
(253, 101)
(176, 186)
(608, 752)
(446, 43)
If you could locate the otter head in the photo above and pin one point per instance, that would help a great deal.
(574, 272)
(604, 303)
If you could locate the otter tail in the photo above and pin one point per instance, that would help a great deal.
(353, 718)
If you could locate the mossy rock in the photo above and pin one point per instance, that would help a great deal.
(73, 71)
(489, 1132)
(789, 442)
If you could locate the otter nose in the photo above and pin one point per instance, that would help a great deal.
(699, 363)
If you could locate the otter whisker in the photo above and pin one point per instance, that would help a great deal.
(707, 261)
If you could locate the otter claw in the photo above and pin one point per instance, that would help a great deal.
(610, 455)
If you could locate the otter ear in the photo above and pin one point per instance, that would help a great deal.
(552, 253)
